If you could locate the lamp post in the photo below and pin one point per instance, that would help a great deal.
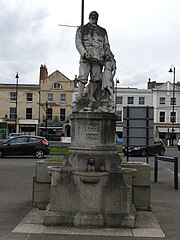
(46, 125)
(82, 13)
(173, 70)
(16, 113)
(117, 81)
(45, 108)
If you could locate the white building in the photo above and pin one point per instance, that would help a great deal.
(130, 97)
(159, 96)
(166, 126)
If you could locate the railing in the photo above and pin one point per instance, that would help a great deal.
(173, 160)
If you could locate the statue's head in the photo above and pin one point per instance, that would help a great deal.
(93, 17)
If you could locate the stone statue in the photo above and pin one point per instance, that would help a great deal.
(107, 78)
(95, 55)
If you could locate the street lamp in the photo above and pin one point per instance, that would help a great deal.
(117, 81)
(46, 115)
(82, 13)
(173, 70)
(16, 113)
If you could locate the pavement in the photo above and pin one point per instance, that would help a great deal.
(20, 221)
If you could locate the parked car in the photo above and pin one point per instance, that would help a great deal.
(178, 144)
(157, 148)
(25, 145)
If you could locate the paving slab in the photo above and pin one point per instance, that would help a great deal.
(146, 226)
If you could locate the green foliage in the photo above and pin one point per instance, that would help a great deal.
(59, 150)
(119, 149)
(64, 150)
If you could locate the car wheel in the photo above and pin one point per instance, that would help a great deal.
(162, 152)
(143, 153)
(39, 153)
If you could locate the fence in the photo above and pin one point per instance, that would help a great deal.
(173, 160)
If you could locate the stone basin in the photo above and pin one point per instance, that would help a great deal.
(51, 169)
(91, 177)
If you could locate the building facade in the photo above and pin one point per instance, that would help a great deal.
(130, 97)
(41, 109)
(56, 92)
(19, 114)
(45, 108)
(166, 102)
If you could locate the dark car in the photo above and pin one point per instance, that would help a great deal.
(25, 145)
(157, 148)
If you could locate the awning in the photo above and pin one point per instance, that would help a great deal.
(119, 129)
(51, 125)
(166, 130)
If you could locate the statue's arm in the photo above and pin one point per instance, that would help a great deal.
(79, 43)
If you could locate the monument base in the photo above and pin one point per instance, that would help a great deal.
(91, 189)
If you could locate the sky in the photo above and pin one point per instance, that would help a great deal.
(144, 37)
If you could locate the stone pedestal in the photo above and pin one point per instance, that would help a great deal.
(93, 137)
(91, 189)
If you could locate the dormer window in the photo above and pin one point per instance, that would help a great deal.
(57, 85)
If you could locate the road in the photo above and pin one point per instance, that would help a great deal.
(16, 176)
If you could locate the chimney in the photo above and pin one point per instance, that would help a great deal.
(43, 72)
(151, 84)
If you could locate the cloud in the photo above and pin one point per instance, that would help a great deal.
(22, 36)
(143, 35)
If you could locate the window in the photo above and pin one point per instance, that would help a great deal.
(130, 100)
(19, 140)
(13, 96)
(62, 114)
(57, 85)
(29, 97)
(119, 115)
(49, 114)
(28, 113)
(13, 113)
(162, 100)
(173, 102)
(50, 97)
(119, 100)
(173, 117)
(141, 100)
(33, 139)
(161, 116)
(62, 97)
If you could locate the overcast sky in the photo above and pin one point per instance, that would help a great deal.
(144, 36)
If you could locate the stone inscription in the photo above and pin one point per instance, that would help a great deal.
(91, 136)
(92, 127)
(92, 131)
